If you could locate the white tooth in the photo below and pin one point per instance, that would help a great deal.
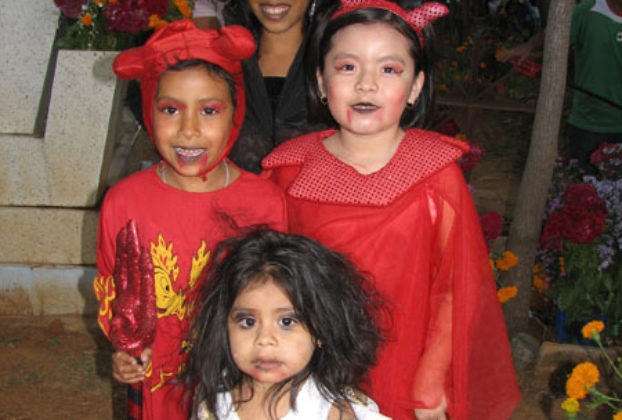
(275, 11)
(188, 152)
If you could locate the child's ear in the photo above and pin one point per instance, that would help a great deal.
(417, 86)
(320, 82)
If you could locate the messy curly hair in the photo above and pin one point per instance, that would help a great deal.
(332, 299)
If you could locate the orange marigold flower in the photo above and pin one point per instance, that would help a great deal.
(482, 65)
(618, 416)
(454, 63)
(540, 283)
(506, 293)
(112, 1)
(183, 7)
(458, 77)
(492, 263)
(575, 388)
(100, 3)
(591, 328)
(570, 405)
(155, 22)
(562, 265)
(584, 376)
(87, 19)
(508, 261)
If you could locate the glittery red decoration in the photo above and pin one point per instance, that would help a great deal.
(134, 320)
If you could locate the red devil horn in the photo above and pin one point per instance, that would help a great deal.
(235, 42)
(427, 13)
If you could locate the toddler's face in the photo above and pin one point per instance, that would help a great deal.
(368, 77)
(268, 342)
(192, 117)
(281, 16)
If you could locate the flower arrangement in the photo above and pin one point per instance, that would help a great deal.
(492, 226)
(585, 376)
(581, 243)
(115, 24)
(472, 68)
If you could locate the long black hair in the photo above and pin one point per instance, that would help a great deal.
(321, 44)
(332, 299)
(239, 12)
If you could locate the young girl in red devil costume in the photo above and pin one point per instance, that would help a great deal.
(193, 106)
(394, 201)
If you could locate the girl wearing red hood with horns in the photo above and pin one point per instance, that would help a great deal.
(178, 210)
(393, 200)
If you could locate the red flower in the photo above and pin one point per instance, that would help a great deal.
(70, 8)
(469, 160)
(127, 16)
(585, 196)
(582, 226)
(607, 159)
(492, 225)
(157, 7)
(552, 236)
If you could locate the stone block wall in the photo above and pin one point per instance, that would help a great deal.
(59, 121)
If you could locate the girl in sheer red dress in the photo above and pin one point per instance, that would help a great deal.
(395, 202)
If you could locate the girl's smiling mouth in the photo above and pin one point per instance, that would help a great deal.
(189, 154)
(274, 11)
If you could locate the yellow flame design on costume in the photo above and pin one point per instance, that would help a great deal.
(105, 293)
(164, 377)
(168, 300)
(199, 261)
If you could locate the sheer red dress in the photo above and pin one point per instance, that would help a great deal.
(413, 227)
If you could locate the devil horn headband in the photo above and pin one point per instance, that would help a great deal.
(182, 40)
(418, 18)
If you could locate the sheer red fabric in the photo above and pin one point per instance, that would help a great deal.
(413, 227)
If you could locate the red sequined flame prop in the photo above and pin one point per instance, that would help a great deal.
(134, 309)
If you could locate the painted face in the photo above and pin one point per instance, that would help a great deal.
(192, 117)
(268, 342)
(279, 16)
(368, 77)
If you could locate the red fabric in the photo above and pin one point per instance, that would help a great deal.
(179, 229)
(424, 248)
(179, 41)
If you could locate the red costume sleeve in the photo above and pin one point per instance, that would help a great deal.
(480, 383)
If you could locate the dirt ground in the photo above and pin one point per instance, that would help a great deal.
(59, 367)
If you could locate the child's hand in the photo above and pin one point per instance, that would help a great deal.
(126, 368)
(438, 413)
